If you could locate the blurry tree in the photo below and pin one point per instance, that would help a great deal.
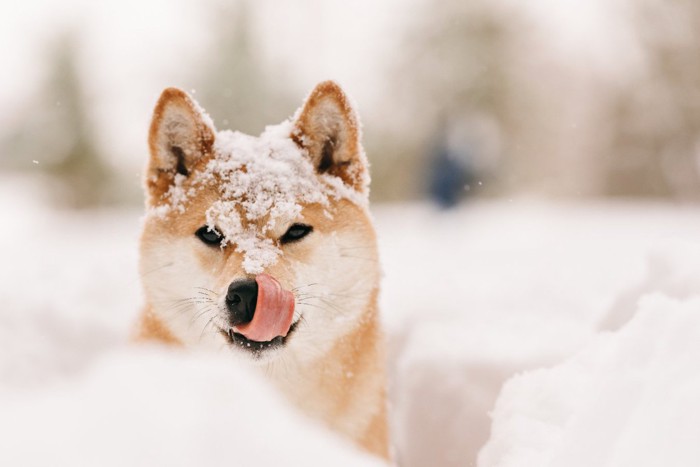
(456, 66)
(57, 137)
(237, 87)
(655, 134)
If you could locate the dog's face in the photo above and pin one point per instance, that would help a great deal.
(261, 246)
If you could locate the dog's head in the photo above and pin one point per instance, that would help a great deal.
(262, 245)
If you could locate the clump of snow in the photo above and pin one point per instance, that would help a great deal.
(177, 194)
(262, 181)
(630, 399)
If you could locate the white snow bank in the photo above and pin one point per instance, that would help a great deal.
(146, 407)
(673, 268)
(448, 373)
(476, 295)
(470, 298)
(69, 286)
(629, 399)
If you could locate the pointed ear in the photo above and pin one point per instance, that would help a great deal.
(181, 135)
(329, 129)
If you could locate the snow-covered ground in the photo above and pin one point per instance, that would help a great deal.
(628, 399)
(475, 296)
(589, 313)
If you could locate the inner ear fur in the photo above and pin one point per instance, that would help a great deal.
(181, 136)
(328, 128)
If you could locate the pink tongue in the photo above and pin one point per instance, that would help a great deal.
(274, 311)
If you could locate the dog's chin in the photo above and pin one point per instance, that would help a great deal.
(256, 349)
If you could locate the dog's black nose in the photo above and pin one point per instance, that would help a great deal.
(241, 298)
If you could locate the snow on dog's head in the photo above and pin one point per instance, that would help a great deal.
(225, 206)
(265, 178)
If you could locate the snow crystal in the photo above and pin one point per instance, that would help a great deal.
(262, 181)
(177, 194)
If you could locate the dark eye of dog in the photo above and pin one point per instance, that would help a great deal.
(209, 236)
(296, 232)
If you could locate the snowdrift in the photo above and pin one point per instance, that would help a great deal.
(629, 398)
(585, 312)
(523, 286)
(148, 407)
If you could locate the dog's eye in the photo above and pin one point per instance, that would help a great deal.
(296, 232)
(209, 236)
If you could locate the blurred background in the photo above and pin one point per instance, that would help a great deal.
(459, 99)
(531, 160)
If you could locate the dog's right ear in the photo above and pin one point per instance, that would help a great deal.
(181, 136)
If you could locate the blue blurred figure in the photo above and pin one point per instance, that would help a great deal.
(449, 171)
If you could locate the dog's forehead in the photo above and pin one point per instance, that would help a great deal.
(260, 177)
(261, 183)
(269, 168)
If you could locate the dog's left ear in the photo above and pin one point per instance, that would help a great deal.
(328, 128)
(181, 136)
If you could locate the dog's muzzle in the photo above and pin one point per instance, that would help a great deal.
(259, 309)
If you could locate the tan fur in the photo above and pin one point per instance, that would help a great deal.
(341, 384)
(151, 328)
(346, 388)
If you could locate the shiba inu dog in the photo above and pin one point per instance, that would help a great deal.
(262, 247)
